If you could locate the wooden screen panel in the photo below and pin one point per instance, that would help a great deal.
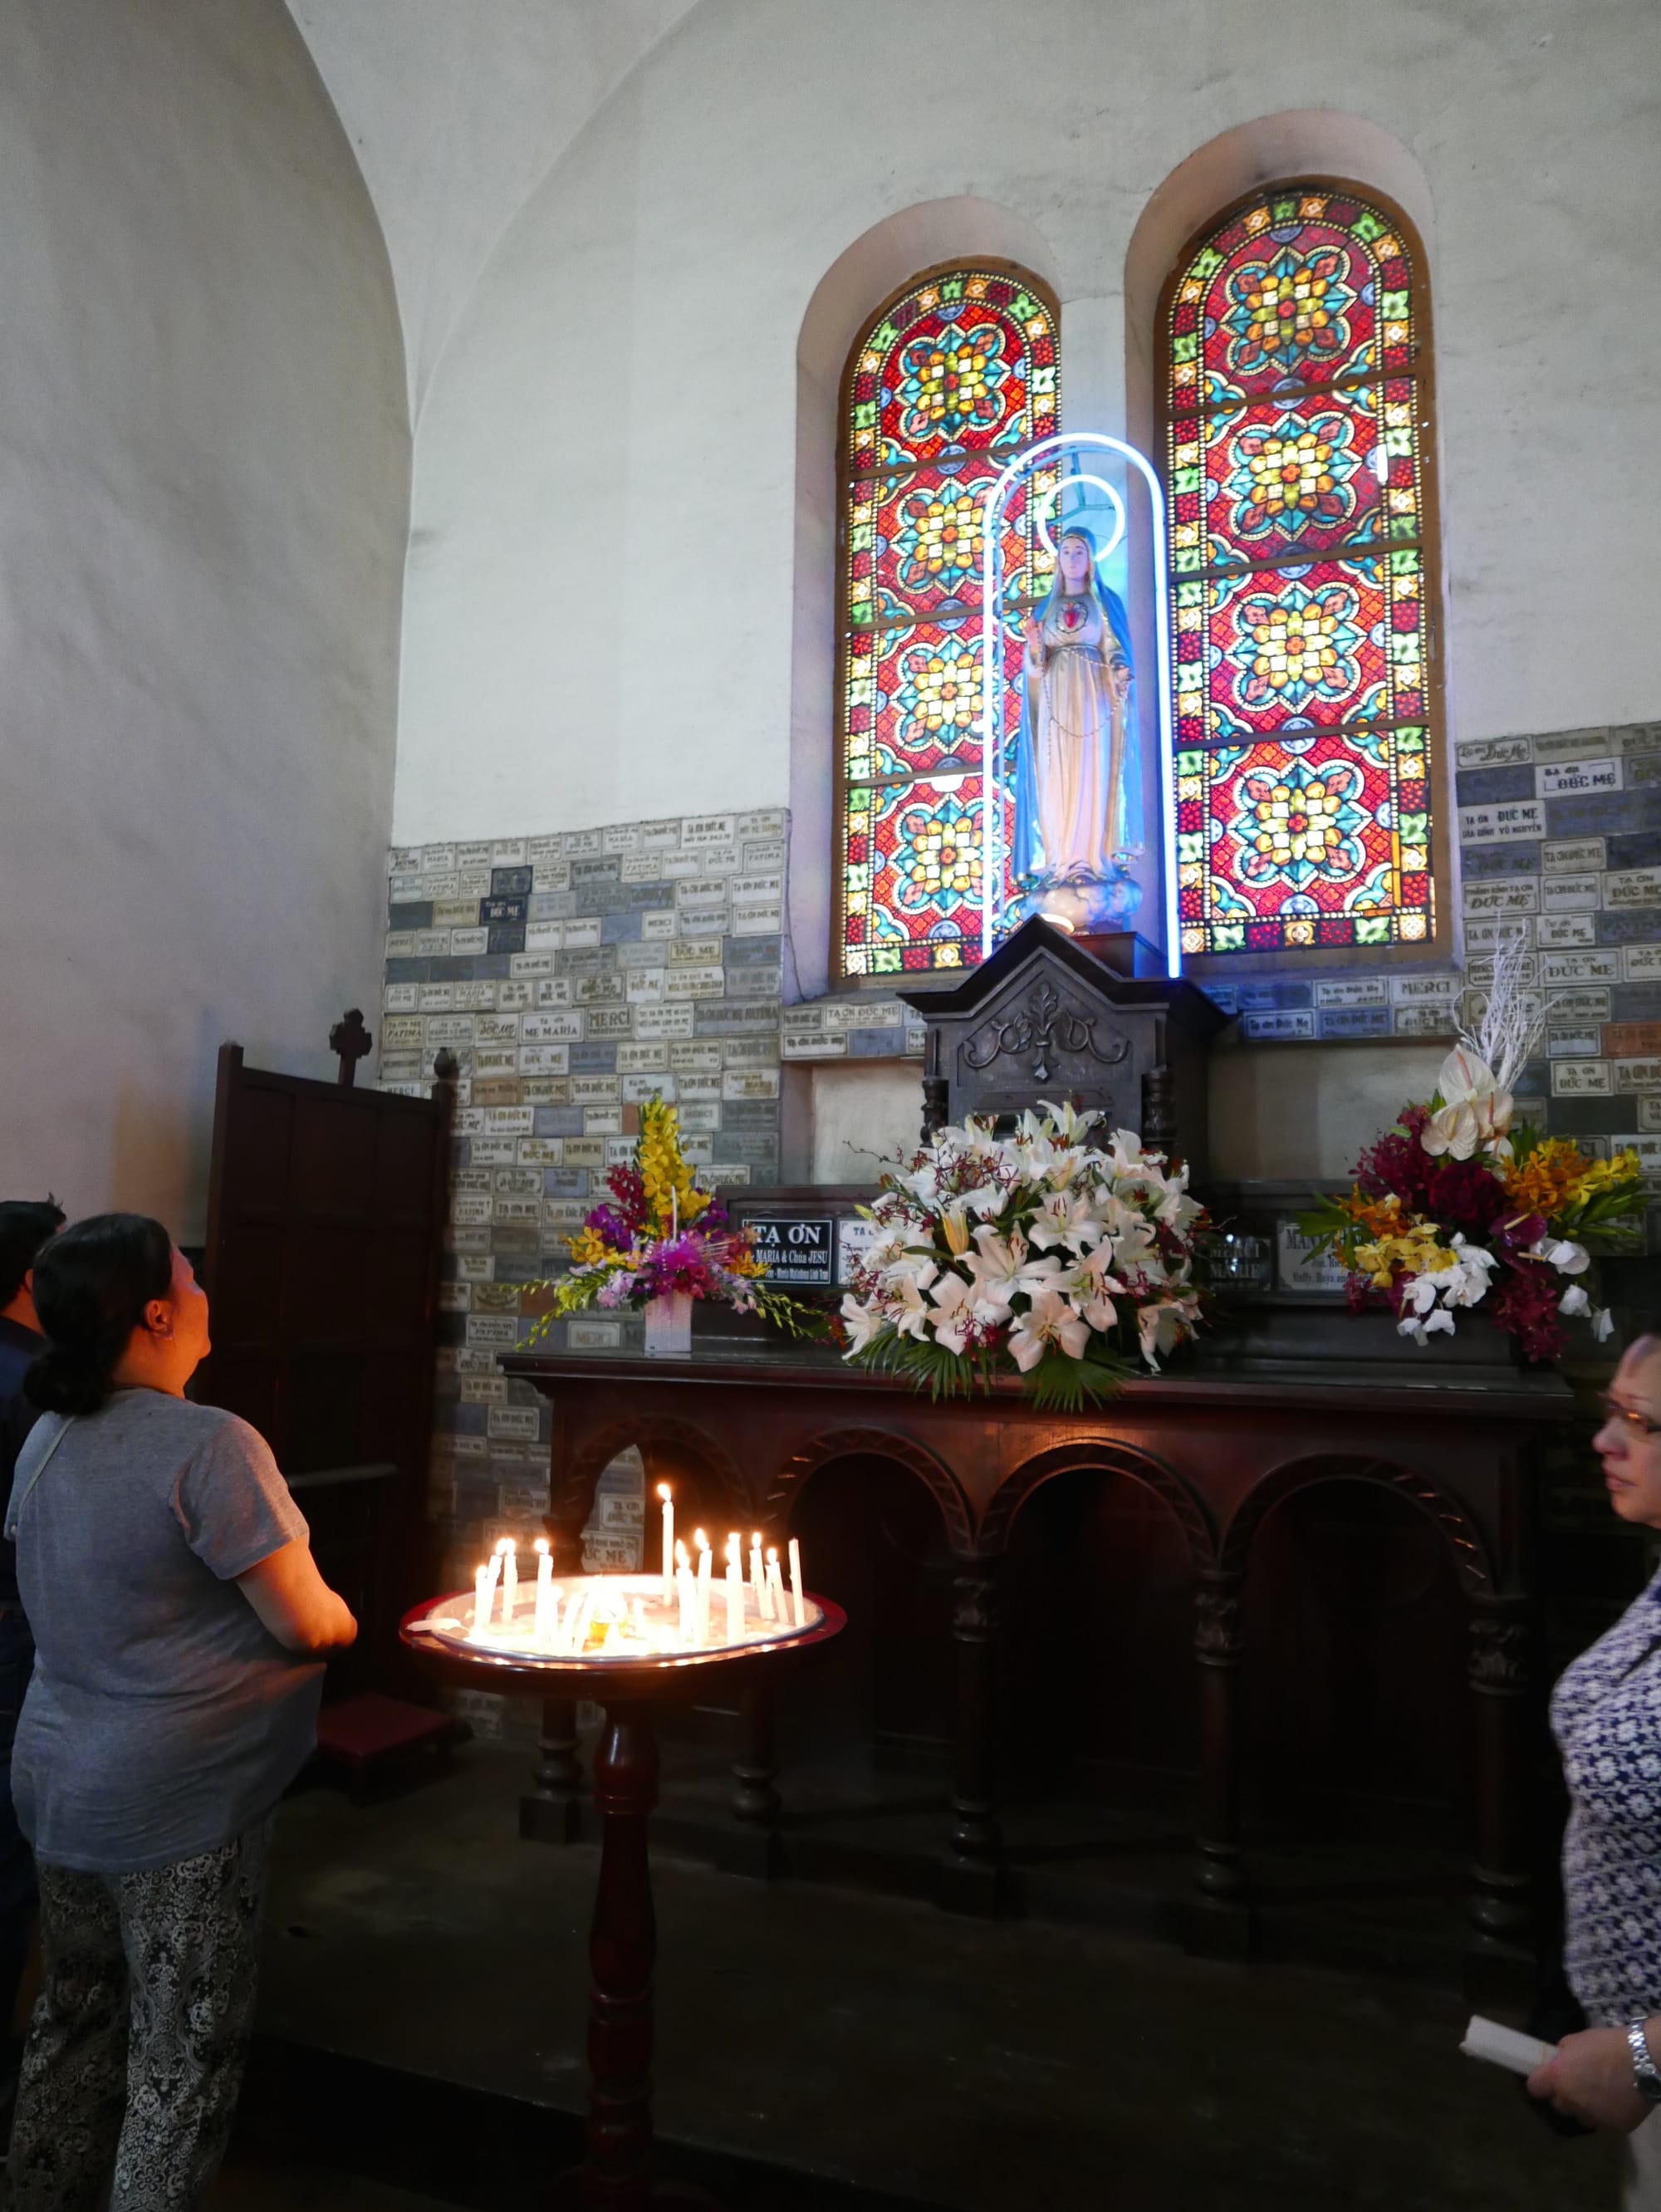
(325, 1212)
(258, 1142)
(334, 1156)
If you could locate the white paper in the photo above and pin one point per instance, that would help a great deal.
(1505, 2046)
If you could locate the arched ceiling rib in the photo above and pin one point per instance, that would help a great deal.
(455, 109)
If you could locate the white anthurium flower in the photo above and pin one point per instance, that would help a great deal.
(953, 1300)
(1559, 1252)
(1475, 1109)
(1575, 1303)
(1069, 1218)
(865, 1321)
(1049, 1321)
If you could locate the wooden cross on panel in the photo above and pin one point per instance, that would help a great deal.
(350, 1041)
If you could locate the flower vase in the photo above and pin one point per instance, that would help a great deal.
(668, 1325)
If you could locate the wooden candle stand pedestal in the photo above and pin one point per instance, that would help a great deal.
(617, 2175)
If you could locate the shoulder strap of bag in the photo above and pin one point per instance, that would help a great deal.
(19, 1497)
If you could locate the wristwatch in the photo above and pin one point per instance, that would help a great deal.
(1645, 2072)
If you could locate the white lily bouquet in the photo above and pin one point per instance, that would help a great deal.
(1039, 1251)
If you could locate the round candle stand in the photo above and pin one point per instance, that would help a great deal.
(617, 2174)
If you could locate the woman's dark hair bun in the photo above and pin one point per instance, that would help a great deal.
(61, 1380)
(92, 1284)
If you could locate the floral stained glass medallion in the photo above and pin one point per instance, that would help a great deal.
(948, 384)
(1299, 560)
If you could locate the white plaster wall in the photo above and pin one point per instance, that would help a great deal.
(203, 487)
(864, 1113)
(1285, 1111)
(600, 597)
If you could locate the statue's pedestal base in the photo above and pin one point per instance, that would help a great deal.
(1125, 951)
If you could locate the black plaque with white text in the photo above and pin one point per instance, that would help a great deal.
(798, 1249)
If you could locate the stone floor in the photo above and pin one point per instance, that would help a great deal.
(252, 2184)
(849, 2043)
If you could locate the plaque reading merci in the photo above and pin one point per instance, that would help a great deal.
(796, 1249)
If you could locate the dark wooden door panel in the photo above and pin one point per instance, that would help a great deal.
(325, 1212)
(334, 1157)
(258, 1145)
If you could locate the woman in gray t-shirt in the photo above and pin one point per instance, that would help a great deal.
(177, 1611)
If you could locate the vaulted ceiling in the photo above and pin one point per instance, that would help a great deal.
(455, 109)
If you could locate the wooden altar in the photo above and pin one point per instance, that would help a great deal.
(1221, 1441)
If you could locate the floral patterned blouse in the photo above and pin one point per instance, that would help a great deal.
(1606, 1714)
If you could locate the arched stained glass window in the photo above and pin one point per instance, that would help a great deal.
(947, 384)
(1302, 571)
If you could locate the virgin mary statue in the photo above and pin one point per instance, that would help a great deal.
(1077, 811)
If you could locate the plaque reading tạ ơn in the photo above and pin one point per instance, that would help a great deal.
(795, 1249)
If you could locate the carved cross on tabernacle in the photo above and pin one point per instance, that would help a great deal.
(350, 1041)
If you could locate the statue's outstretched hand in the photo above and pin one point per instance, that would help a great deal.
(1033, 634)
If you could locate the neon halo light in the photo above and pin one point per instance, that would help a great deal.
(991, 845)
(1047, 503)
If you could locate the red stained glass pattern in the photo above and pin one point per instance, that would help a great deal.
(950, 384)
(1299, 559)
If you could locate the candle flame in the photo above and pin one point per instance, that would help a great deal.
(663, 1491)
(732, 1551)
(772, 1555)
(701, 1540)
(541, 1545)
(503, 1545)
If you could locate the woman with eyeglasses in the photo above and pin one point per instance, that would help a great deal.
(1606, 1712)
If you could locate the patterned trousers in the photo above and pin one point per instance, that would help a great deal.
(136, 2048)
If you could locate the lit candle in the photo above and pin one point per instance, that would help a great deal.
(775, 1587)
(758, 1579)
(510, 1578)
(547, 1603)
(706, 1570)
(576, 1622)
(795, 1583)
(484, 1590)
(735, 1593)
(669, 1541)
(689, 1594)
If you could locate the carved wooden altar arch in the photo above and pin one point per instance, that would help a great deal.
(1100, 1453)
(1457, 1526)
(571, 1495)
(955, 1512)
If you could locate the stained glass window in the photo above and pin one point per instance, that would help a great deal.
(950, 382)
(1301, 569)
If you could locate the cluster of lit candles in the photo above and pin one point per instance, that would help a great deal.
(694, 1586)
(671, 1611)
